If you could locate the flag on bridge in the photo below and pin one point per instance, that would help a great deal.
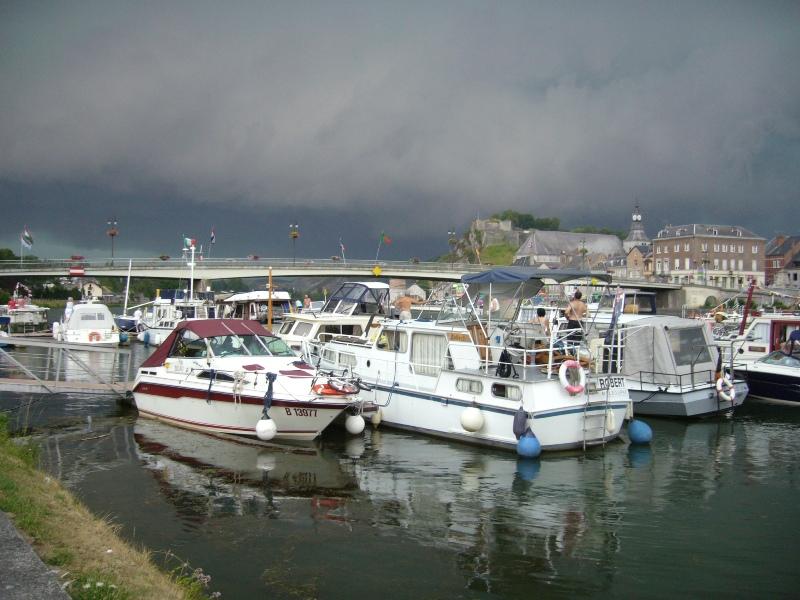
(189, 242)
(213, 236)
(26, 238)
(385, 238)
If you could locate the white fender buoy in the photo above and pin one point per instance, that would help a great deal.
(266, 429)
(354, 424)
(472, 419)
(56, 329)
(611, 421)
(376, 418)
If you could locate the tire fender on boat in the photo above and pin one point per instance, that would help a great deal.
(725, 389)
(572, 388)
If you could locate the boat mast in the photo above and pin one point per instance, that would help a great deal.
(127, 287)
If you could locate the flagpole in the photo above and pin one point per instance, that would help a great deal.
(380, 241)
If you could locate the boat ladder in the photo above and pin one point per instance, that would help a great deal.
(595, 422)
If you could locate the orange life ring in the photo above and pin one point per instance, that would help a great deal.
(94, 336)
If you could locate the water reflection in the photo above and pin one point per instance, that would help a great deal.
(212, 476)
(701, 509)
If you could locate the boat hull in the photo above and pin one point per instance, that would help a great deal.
(698, 402)
(560, 426)
(222, 411)
(773, 387)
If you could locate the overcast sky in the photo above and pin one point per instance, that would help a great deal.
(410, 117)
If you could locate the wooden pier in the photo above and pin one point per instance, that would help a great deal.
(66, 369)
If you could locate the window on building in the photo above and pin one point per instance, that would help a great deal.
(677, 263)
(724, 247)
(686, 247)
(755, 249)
(755, 266)
(715, 231)
(686, 264)
(704, 247)
(716, 264)
(741, 264)
(741, 248)
(716, 247)
(658, 249)
(677, 247)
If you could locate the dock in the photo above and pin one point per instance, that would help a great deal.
(63, 368)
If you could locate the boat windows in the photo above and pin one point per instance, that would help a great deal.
(347, 360)
(469, 386)
(249, 345)
(427, 353)
(302, 329)
(393, 341)
(189, 345)
(286, 327)
(781, 359)
(217, 375)
(510, 392)
(688, 346)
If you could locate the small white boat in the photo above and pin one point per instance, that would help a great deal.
(255, 306)
(89, 323)
(24, 316)
(454, 377)
(348, 311)
(233, 376)
(763, 334)
(671, 365)
(169, 308)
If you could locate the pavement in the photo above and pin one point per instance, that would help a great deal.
(23, 575)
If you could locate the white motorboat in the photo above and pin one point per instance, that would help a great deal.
(348, 311)
(169, 308)
(233, 376)
(763, 334)
(24, 316)
(671, 365)
(256, 306)
(88, 323)
(455, 378)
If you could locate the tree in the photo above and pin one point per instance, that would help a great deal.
(528, 221)
(604, 230)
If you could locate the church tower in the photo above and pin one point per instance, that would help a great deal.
(637, 235)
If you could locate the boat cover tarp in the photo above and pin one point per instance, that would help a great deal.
(522, 274)
(89, 316)
(651, 351)
(205, 328)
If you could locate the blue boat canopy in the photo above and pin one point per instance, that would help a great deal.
(522, 274)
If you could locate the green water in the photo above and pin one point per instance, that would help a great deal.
(708, 511)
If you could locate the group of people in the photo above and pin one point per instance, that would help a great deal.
(574, 313)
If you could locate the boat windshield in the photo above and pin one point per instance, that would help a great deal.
(781, 359)
(189, 345)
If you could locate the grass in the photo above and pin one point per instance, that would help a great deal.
(498, 254)
(95, 561)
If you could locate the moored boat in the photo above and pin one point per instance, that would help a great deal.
(671, 365)
(233, 376)
(456, 378)
(24, 316)
(776, 376)
(87, 323)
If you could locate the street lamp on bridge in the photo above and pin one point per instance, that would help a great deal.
(451, 241)
(112, 232)
(294, 233)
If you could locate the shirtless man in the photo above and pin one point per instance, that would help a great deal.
(403, 304)
(575, 313)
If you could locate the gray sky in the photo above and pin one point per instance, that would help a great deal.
(409, 117)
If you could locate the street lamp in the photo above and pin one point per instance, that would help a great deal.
(451, 240)
(112, 232)
(294, 233)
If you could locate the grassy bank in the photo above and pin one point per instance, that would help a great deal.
(66, 535)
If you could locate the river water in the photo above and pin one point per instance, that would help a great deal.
(708, 510)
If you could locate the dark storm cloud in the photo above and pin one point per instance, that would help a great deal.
(413, 117)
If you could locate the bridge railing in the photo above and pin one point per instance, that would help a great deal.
(98, 265)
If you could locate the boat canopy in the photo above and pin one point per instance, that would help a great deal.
(359, 298)
(523, 274)
(90, 316)
(205, 328)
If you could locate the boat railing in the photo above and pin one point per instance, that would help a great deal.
(684, 382)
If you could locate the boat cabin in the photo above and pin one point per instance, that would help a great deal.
(255, 305)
